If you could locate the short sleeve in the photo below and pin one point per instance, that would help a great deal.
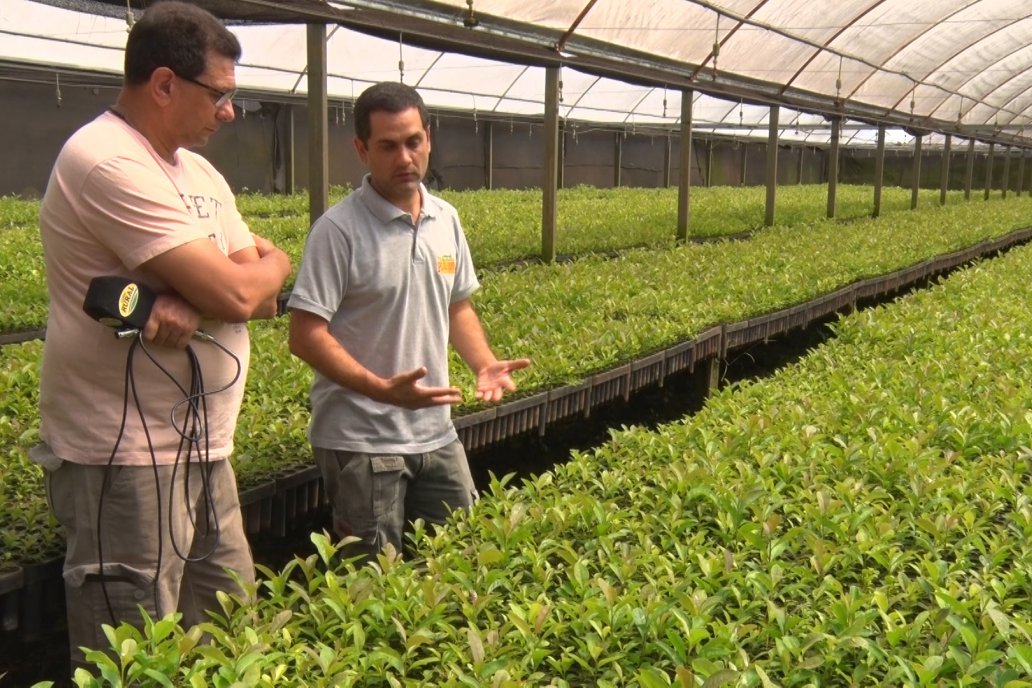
(466, 281)
(322, 277)
(135, 211)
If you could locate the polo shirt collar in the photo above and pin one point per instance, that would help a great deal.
(386, 212)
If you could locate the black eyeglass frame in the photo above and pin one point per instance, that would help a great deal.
(221, 97)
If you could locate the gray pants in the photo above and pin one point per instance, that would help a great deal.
(141, 565)
(374, 496)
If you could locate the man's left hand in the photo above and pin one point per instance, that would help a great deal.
(496, 379)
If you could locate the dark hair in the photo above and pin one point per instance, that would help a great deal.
(386, 96)
(176, 35)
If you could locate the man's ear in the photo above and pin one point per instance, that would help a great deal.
(360, 148)
(160, 85)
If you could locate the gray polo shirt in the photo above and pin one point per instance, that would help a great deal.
(385, 286)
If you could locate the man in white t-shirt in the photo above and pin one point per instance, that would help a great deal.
(140, 481)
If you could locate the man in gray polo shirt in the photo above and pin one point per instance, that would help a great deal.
(383, 287)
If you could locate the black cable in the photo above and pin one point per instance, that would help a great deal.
(154, 465)
(195, 427)
(107, 476)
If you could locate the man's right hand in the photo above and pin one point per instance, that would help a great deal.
(172, 322)
(404, 390)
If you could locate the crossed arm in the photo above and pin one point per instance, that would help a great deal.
(204, 282)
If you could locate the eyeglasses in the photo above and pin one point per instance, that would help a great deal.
(219, 98)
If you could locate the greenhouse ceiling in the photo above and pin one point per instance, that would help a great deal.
(962, 67)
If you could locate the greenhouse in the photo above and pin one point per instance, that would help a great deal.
(768, 258)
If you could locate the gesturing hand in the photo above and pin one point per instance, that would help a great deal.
(404, 390)
(494, 380)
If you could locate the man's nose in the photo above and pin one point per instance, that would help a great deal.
(226, 113)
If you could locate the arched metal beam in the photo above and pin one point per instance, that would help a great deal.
(970, 46)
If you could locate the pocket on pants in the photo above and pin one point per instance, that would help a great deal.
(386, 485)
(370, 499)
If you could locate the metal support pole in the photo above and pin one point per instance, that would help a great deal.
(833, 163)
(1021, 171)
(551, 180)
(944, 170)
(989, 170)
(745, 162)
(915, 187)
(969, 171)
(667, 161)
(684, 182)
(1006, 170)
(617, 159)
(709, 162)
(772, 164)
(318, 125)
(561, 152)
(489, 155)
(879, 171)
(290, 174)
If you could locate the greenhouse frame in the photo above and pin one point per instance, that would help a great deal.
(770, 259)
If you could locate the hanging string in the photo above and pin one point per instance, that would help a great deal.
(664, 101)
(129, 18)
(838, 82)
(57, 85)
(401, 57)
(471, 21)
(716, 46)
(476, 124)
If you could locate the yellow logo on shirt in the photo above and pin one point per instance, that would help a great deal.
(446, 265)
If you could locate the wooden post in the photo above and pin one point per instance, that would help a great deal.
(706, 377)
(318, 125)
(551, 181)
(772, 164)
(684, 182)
(915, 186)
(833, 164)
(944, 170)
(969, 171)
(879, 171)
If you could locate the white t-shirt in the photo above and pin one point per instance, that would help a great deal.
(112, 204)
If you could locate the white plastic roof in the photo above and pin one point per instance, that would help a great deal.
(962, 66)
